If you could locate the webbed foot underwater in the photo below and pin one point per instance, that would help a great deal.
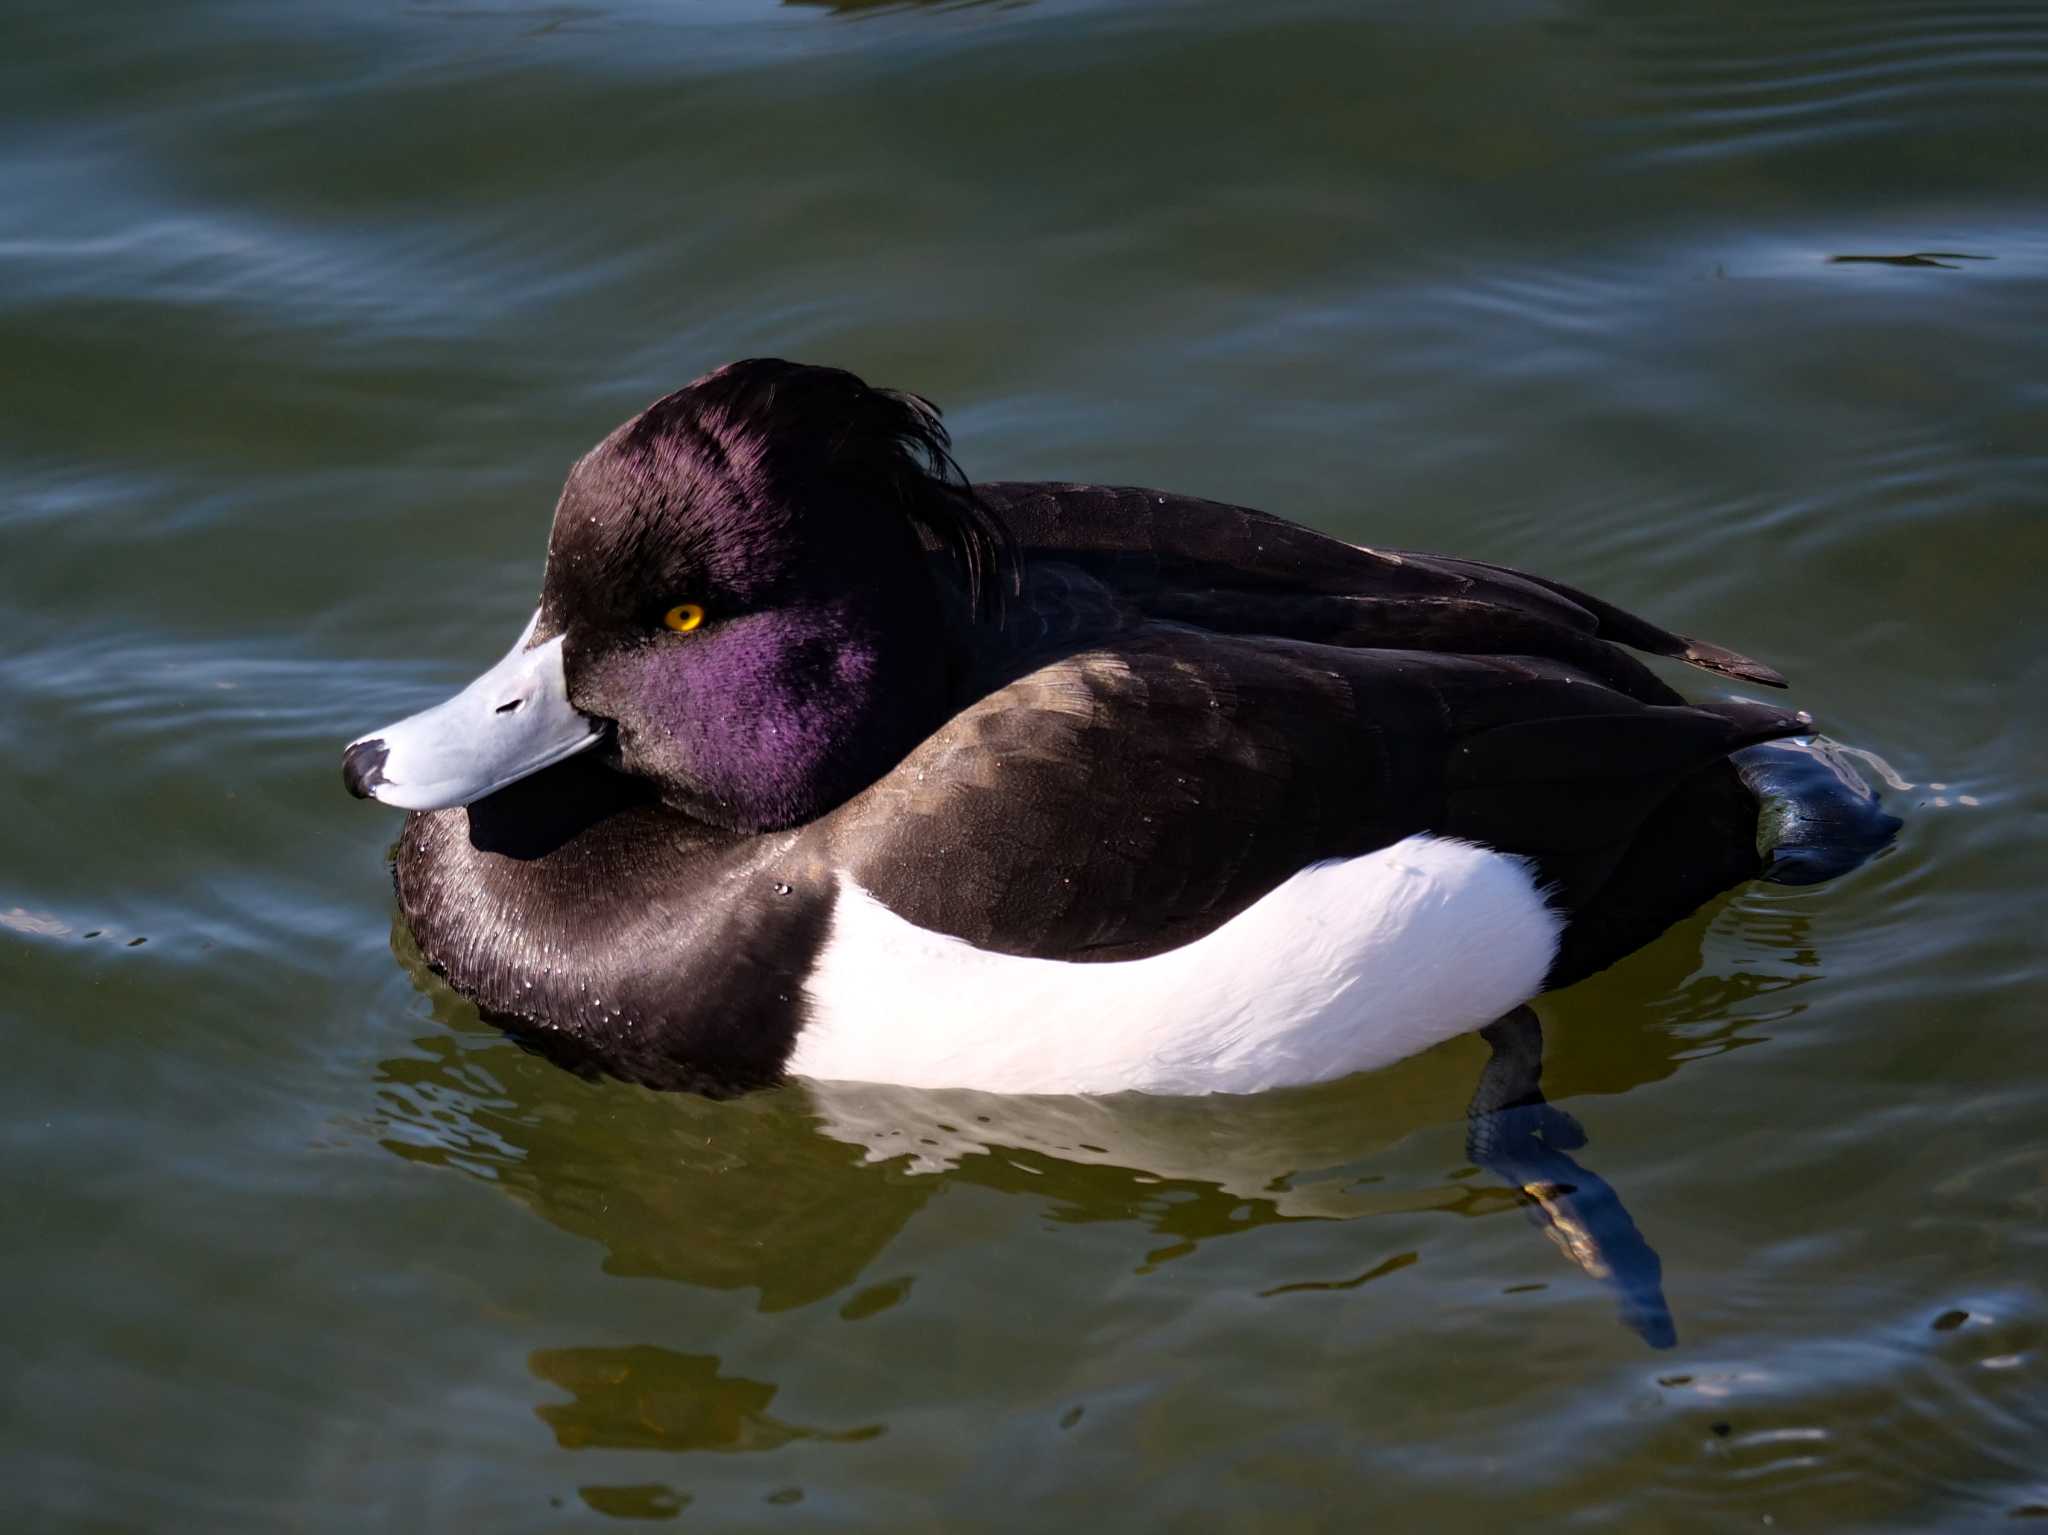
(817, 759)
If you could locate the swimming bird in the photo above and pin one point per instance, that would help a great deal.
(817, 759)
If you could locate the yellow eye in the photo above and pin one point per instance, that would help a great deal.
(684, 617)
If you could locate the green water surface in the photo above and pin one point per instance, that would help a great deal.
(304, 310)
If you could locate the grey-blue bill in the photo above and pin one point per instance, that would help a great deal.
(510, 722)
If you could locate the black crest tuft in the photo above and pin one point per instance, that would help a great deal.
(774, 429)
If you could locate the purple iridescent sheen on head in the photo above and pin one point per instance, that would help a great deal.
(836, 552)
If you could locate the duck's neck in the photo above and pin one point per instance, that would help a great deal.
(612, 931)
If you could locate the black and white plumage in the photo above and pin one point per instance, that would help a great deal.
(1032, 788)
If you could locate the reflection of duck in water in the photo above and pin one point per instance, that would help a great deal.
(795, 1193)
(1512, 1131)
(815, 760)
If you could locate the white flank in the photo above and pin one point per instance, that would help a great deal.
(1348, 965)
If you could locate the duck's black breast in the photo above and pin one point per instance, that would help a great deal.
(613, 933)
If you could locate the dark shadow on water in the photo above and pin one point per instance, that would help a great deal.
(639, 1500)
(1944, 259)
(534, 20)
(543, 20)
(875, 7)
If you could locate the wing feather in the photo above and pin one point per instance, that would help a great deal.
(1125, 799)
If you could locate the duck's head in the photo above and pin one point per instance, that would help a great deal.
(756, 598)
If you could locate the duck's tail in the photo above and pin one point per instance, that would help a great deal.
(1818, 817)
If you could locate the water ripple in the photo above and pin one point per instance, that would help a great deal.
(1814, 74)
